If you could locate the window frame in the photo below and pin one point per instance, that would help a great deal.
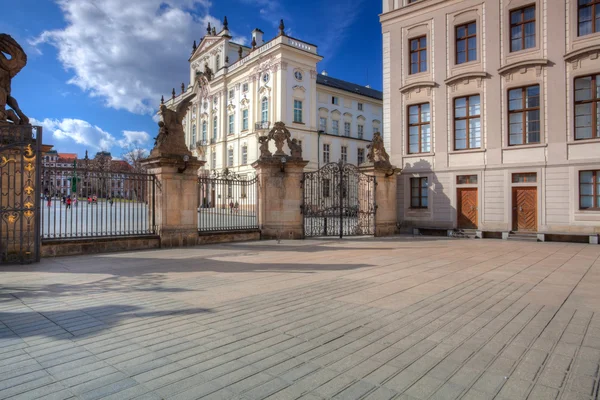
(326, 150)
(298, 110)
(418, 51)
(204, 131)
(231, 125)
(348, 131)
(230, 157)
(466, 39)
(420, 194)
(467, 118)
(595, 27)
(264, 111)
(360, 106)
(335, 131)
(361, 131)
(595, 101)
(323, 128)
(419, 125)
(524, 111)
(360, 155)
(245, 119)
(215, 127)
(244, 155)
(344, 153)
(522, 24)
(595, 190)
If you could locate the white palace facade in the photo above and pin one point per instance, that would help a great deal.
(250, 88)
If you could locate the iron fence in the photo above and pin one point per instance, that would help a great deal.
(79, 202)
(227, 202)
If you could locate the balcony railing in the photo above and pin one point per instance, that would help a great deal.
(262, 126)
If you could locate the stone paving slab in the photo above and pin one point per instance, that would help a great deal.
(396, 318)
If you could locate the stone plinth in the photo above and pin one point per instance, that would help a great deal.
(386, 216)
(176, 199)
(280, 197)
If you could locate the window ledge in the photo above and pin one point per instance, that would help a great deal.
(525, 146)
(511, 67)
(583, 141)
(299, 123)
(413, 155)
(415, 85)
(467, 151)
(466, 75)
(575, 54)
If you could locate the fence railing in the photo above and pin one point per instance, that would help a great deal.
(227, 202)
(78, 202)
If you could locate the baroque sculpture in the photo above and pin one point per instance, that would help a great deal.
(264, 147)
(171, 138)
(295, 148)
(279, 134)
(8, 69)
(377, 154)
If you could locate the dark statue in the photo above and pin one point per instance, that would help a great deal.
(377, 154)
(171, 137)
(9, 68)
(295, 148)
(264, 147)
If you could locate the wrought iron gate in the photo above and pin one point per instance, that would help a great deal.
(339, 200)
(20, 148)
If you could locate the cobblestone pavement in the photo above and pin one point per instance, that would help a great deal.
(400, 318)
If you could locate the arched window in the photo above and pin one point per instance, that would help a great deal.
(265, 110)
(204, 131)
(193, 134)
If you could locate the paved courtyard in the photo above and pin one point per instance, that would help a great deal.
(398, 318)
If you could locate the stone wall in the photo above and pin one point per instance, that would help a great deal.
(55, 248)
(228, 237)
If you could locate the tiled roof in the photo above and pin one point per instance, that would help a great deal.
(69, 156)
(349, 87)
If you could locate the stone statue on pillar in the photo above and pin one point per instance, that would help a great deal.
(171, 137)
(279, 134)
(377, 154)
(9, 68)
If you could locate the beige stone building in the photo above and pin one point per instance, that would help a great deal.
(492, 109)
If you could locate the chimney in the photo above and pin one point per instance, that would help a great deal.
(324, 73)
(257, 35)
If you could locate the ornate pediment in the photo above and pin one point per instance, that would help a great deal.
(298, 87)
(466, 78)
(523, 66)
(205, 44)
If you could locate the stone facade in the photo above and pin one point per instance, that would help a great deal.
(525, 158)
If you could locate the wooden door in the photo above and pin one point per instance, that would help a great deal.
(524, 209)
(467, 208)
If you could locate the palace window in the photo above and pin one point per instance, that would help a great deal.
(193, 135)
(418, 55)
(264, 109)
(589, 190)
(419, 193)
(335, 127)
(245, 87)
(245, 119)
(522, 28)
(528, 177)
(231, 94)
(215, 121)
(326, 188)
(524, 115)
(467, 123)
(335, 100)
(361, 131)
(588, 17)
(218, 62)
(297, 111)
(325, 153)
(230, 157)
(347, 128)
(244, 155)
(466, 179)
(323, 124)
(419, 128)
(466, 43)
(344, 154)
(587, 107)
(204, 128)
(214, 160)
(360, 106)
(360, 156)
(231, 123)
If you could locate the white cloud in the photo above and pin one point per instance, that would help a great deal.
(78, 131)
(134, 139)
(127, 52)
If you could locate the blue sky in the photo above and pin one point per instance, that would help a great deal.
(97, 68)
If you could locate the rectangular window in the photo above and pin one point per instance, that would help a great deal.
(524, 178)
(360, 106)
(323, 124)
(418, 55)
(325, 153)
(419, 193)
(361, 131)
(522, 28)
(466, 43)
(215, 119)
(344, 154)
(467, 123)
(230, 157)
(244, 155)
(335, 127)
(361, 156)
(587, 107)
(245, 120)
(524, 115)
(419, 128)
(193, 136)
(588, 17)
(297, 111)
(231, 123)
(214, 160)
(589, 190)
(347, 127)
(245, 87)
(204, 128)
(466, 180)
(326, 187)
(334, 100)
(231, 94)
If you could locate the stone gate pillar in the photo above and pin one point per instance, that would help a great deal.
(386, 215)
(280, 197)
(176, 199)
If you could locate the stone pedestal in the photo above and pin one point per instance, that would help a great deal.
(176, 199)
(386, 216)
(280, 197)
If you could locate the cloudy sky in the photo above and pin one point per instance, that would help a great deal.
(97, 68)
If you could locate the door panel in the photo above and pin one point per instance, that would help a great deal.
(525, 209)
(467, 208)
